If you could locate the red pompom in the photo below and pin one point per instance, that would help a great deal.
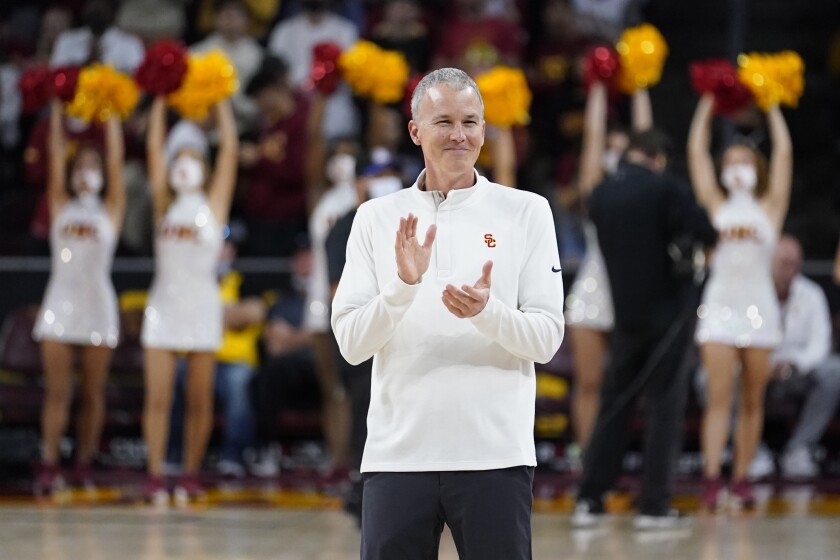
(163, 68)
(34, 87)
(601, 64)
(325, 76)
(720, 78)
(409, 93)
(63, 82)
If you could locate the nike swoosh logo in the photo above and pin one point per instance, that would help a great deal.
(556, 269)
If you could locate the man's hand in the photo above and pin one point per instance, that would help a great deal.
(469, 300)
(413, 258)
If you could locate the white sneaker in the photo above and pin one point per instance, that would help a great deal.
(799, 463)
(266, 464)
(587, 514)
(230, 469)
(671, 520)
(762, 464)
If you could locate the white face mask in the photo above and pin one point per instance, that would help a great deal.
(381, 186)
(611, 161)
(739, 177)
(186, 175)
(341, 169)
(88, 181)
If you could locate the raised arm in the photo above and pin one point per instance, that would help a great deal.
(504, 157)
(156, 156)
(594, 139)
(641, 110)
(701, 168)
(780, 175)
(57, 173)
(114, 157)
(223, 182)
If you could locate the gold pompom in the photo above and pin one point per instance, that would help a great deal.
(101, 93)
(774, 78)
(374, 73)
(643, 51)
(210, 78)
(507, 97)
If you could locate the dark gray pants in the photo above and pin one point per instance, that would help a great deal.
(488, 512)
(665, 392)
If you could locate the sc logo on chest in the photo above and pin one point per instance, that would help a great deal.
(489, 240)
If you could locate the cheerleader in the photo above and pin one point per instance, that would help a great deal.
(80, 306)
(589, 309)
(184, 310)
(739, 319)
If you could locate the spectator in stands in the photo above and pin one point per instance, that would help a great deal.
(293, 40)
(402, 29)
(275, 200)
(263, 14)
(739, 320)
(472, 40)
(287, 373)
(606, 18)
(55, 21)
(87, 199)
(230, 34)
(152, 20)
(236, 362)
(802, 365)
(98, 40)
(184, 312)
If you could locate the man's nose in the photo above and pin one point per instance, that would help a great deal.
(458, 133)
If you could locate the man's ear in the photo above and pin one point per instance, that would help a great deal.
(413, 131)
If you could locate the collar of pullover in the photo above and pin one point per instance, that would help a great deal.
(455, 198)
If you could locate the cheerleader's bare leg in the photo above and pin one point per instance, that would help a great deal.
(58, 390)
(198, 418)
(589, 346)
(754, 379)
(719, 361)
(160, 385)
(95, 363)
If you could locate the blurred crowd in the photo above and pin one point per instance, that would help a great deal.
(270, 42)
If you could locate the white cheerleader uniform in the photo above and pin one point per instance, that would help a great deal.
(80, 304)
(589, 303)
(739, 306)
(184, 310)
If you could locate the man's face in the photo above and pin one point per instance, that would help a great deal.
(449, 128)
(276, 101)
(232, 21)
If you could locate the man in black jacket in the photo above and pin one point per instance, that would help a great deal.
(639, 213)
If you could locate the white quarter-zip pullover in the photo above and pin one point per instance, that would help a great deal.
(448, 393)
